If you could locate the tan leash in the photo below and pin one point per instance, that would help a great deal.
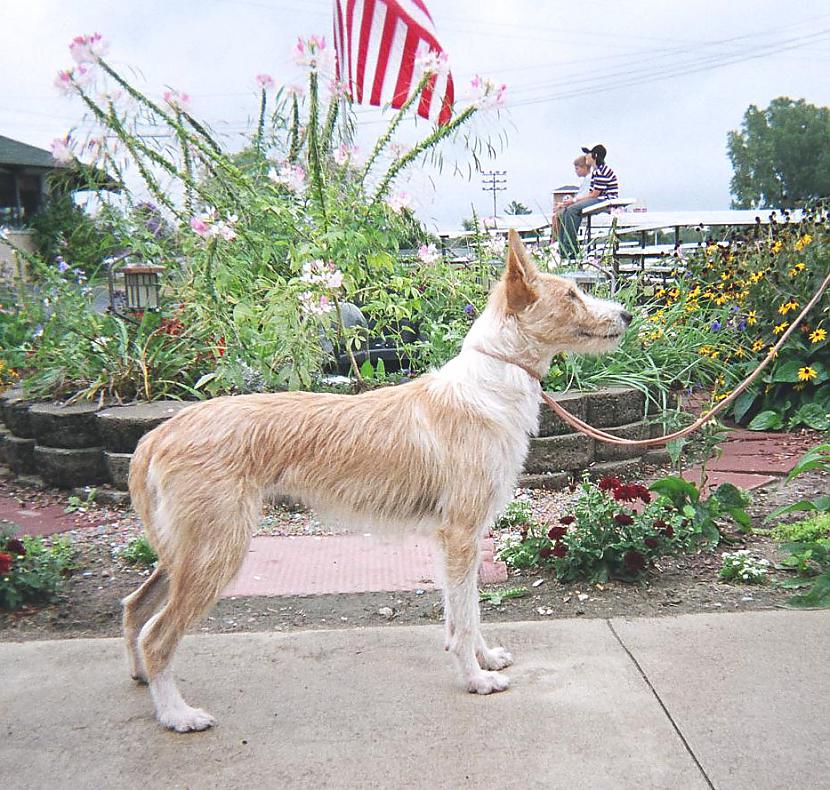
(609, 438)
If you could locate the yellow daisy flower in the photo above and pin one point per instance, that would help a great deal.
(758, 345)
(806, 374)
(779, 328)
(776, 247)
(818, 335)
(803, 241)
(752, 317)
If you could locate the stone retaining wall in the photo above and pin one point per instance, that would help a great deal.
(80, 445)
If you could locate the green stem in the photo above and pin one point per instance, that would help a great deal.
(314, 146)
(438, 134)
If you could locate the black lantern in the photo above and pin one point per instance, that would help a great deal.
(141, 281)
(141, 290)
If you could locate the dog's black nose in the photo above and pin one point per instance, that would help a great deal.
(626, 317)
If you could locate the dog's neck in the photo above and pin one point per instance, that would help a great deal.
(507, 360)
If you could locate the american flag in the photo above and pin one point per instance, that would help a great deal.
(377, 43)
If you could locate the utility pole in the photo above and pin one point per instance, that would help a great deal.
(494, 181)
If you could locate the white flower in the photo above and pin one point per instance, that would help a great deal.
(428, 254)
(312, 52)
(314, 304)
(399, 201)
(432, 62)
(88, 49)
(61, 150)
(295, 90)
(399, 150)
(347, 154)
(321, 273)
(291, 176)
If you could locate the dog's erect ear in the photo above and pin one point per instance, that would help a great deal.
(519, 275)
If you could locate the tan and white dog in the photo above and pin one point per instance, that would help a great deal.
(442, 453)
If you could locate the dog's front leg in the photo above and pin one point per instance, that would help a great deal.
(475, 660)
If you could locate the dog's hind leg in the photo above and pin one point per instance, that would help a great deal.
(207, 556)
(461, 554)
(139, 607)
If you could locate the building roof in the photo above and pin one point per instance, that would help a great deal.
(13, 152)
(567, 188)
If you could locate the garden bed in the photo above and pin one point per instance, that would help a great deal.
(89, 604)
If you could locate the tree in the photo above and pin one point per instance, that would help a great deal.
(517, 208)
(781, 155)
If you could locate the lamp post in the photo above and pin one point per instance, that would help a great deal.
(142, 286)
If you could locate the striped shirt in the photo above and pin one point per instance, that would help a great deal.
(604, 179)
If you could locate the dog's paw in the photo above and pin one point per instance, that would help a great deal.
(140, 678)
(187, 720)
(494, 658)
(488, 683)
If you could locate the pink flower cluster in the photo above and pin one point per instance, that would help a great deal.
(485, 94)
(291, 176)
(432, 62)
(399, 201)
(62, 150)
(178, 100)
(347, 154)
(265, 81)
(321, 273)
(88, 49)
(428, 254)
(311, 52)
(209, 226)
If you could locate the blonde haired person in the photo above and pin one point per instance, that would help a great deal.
(583, 170)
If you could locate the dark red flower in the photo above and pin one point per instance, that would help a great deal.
(545, 552)
(668, 531)
(15, 546)
(623, 519)
(560, 549)
(5, 562)
(220, 346)
(625, 493)
(567, 520)
(659, 524)
(555, 533)
(643, 493)
(609, 483)
(634, 561)
(652, 543)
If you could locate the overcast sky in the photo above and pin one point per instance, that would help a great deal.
(660, 83)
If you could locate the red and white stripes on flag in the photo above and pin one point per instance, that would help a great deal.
(377, 42)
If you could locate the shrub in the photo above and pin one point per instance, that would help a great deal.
(603, 537)
(30, 569)
(760, 286)
(805, 531)
(741, 566)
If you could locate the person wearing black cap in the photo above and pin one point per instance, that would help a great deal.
(603, 187)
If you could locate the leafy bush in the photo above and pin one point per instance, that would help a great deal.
(604, 538)
(263, 248)
(30, 569)
(760, 286)
(810, 556)
(516, 514)
(804, 531)
(139, 552)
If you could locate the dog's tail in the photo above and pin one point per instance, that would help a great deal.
(142, 493)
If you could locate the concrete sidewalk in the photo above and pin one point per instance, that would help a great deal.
(727, 701)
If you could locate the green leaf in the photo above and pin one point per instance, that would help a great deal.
(817, 598)
(766, 421)
(730, 496)
(204, 380)
(673, 487)
(366, 370)
(787, 372)
(743, 403)
(813, 416)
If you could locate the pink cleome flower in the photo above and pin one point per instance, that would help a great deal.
(88, 49)
(265, 81)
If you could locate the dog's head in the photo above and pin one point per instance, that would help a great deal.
(551, 312)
